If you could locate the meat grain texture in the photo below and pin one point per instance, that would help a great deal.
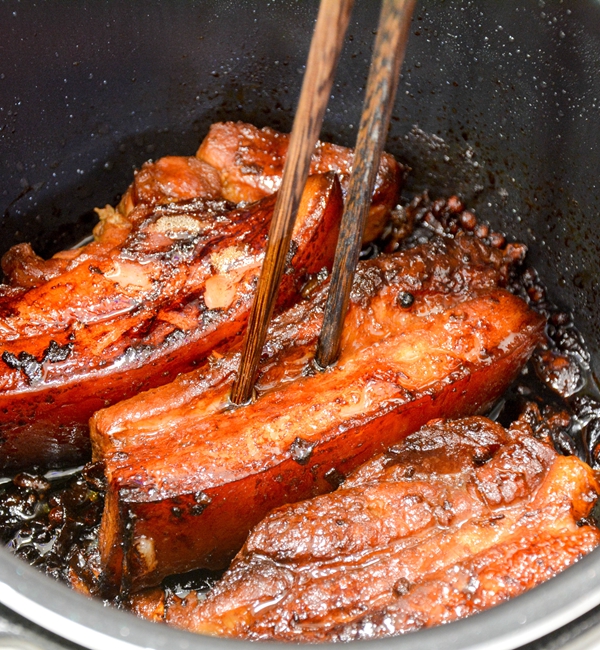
(460, 517)
(169, 277)
(188, 476)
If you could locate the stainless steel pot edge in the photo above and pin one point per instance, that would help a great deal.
(97, 627)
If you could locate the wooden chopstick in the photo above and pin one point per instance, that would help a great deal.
(388, 53)
(325, 48)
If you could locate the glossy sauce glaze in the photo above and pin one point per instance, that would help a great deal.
(168, 279)
(459, 517)
(55, 525)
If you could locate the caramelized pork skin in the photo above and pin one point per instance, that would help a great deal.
(237, 162)
(178, 286)
(172, 178)
(462, 516)
(250, 165)
(188, 476)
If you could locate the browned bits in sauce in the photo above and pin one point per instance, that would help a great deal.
(468, 220)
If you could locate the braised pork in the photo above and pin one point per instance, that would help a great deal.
(240, 162)
(429, 333)
(178, 286)
(161, 285)
(250, 161)
(460, 517)
(172, 178)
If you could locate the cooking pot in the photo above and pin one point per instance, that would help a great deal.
(498, 101)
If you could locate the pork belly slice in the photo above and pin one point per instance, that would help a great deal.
(189, 476)
(460, 517)
(250, 161)
(177, 287)
(248, 166)
(172, 178)
(240, 162)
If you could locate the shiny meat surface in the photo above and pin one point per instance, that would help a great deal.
(429, 333)
(125, 318)
(167, 278)
(250, 165)
(172, 178)
(461, 516)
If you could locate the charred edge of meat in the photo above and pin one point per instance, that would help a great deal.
(30, 366)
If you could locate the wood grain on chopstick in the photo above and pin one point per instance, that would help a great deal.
(325, 48)
(388, 53)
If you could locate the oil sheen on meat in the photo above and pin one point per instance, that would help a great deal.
(430, 333)
(168, 279)
(460, 517)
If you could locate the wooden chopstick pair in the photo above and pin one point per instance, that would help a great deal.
(326, 45)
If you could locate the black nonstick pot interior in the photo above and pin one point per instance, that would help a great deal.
(498, 102)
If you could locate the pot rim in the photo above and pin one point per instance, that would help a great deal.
(95, 626)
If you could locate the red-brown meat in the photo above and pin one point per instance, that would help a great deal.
(189, 476)
(250, 165)
(179, 285)
(460, 517)
(240, 162)
(172, 178)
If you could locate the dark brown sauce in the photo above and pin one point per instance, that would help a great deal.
(52, 521)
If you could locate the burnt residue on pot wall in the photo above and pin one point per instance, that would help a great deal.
(497, 101)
